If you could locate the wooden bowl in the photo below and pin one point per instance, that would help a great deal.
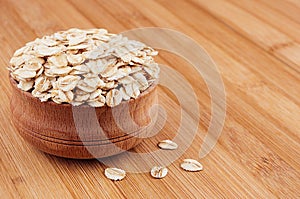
(82, 132)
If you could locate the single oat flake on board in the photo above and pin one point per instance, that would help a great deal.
(115, 173)
(91, 67)
(167, 144)
(159, 172)
(191, 165)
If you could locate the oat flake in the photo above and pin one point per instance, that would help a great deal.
(159, 172)
(114, 173)
(191, 165)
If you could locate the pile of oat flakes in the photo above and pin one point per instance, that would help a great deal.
(91, 67)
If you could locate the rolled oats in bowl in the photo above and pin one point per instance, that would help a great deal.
(78, 67)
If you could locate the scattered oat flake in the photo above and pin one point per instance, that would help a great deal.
(191, 165)
(159, 172)
(114, 173)
(167, 144)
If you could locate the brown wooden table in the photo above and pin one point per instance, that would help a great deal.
(256, 47)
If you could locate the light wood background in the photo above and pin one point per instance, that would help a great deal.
(256, 47)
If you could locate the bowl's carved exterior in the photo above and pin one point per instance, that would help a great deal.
(65, 131)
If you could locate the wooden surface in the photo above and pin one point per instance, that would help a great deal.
(256, 47)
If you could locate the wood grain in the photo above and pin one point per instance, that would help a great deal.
(253, 28)
(256, 47)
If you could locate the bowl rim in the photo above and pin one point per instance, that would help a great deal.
(13, 82)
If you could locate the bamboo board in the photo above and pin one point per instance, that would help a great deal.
(256, 47)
